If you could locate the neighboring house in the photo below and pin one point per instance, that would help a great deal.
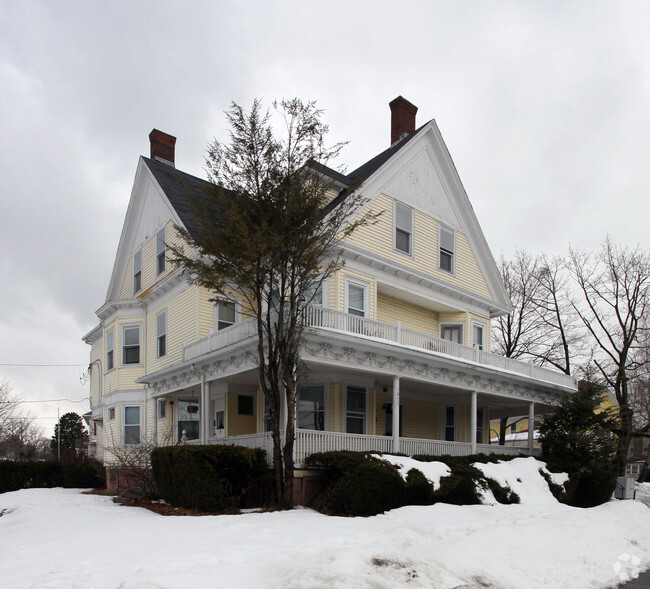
(638, 458)
(397, 350)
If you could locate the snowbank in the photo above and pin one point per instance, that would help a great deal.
(433, 471)
(60, 538)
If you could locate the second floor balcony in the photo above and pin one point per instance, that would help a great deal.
(322, 319)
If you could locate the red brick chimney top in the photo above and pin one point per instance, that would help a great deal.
(162, 147)
(402, 119)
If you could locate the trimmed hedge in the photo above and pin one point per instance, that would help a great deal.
(70, 475)
(209, 478)
(362, 484)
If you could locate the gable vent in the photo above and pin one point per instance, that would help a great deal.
(162, 147)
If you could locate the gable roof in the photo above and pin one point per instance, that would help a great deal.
(181, 189)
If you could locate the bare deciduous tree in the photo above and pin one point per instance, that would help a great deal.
(615, 288)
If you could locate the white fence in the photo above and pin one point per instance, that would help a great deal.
(309, 442)
(322, 317)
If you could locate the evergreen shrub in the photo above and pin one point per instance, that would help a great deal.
(209, 478)
(31, 475)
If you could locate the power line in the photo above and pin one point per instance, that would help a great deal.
(53, 401)
(43, 365)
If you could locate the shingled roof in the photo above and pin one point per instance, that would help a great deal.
(183, 189)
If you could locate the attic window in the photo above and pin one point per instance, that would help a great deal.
(137, 271)
(403, 229)
(447, 248)
(160, 252)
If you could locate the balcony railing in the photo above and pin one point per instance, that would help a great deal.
(324, 318)
(309, 442)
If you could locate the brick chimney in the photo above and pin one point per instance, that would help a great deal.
(162, 147)
(402, 118)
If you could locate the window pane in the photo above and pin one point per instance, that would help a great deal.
(356, 295)
(160, 241)
(131, 336)
(447, 239)
(445, 261)
(132, 355)
(311, 407)
(478, 336)
(453, 333)
(227, 312)
(355, 425)
(403, 218)
(244, 405)
(356, 399)
(132, 434)
(132, 415)
(162, 346)
(109, 339)
(314, 294)
(109, 360)
(137, 262)
(161, 323)
(403, 241)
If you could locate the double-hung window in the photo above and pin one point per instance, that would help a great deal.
(478, 336)
(479, 425)
(160, 252)
(311, 407)
(403, 229)
(314, 294)
(137, 271)
(110, 346)
(452, 332)
(131, 425)
(161, 334)
(357, 299)
(447, 248)
(355, 417)
(131, 344)
(450, 423)
(225, 315)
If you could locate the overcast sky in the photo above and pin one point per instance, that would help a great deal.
(543, 106)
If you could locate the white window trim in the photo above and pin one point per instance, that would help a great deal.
(366, 296)
(325, 293)
(411, 237)
(444, 421)
(161, 409)
(453, 324)
(123, 421)
(474, 323)
(137, 255)
(345, 406)
(326, 401)
(158, 334)
(130, 326)
(453, 251)
(112, 331)
(163, 230)
(237, 303)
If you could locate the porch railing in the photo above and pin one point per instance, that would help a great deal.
(309, 442)
(324, 318)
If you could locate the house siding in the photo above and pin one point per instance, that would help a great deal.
(410, 316)
(379, 239)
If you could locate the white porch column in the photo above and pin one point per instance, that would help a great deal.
(204, 414)
(154, 422)
(531, 427)
(472, 420)
(396, 414)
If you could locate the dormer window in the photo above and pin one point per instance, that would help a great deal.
(403, 229)
(137, 271)
(160, 252)
(447, 248)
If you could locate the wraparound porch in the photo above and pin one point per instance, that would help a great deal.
(309, 442)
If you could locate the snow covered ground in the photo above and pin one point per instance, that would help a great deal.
(58, 538)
